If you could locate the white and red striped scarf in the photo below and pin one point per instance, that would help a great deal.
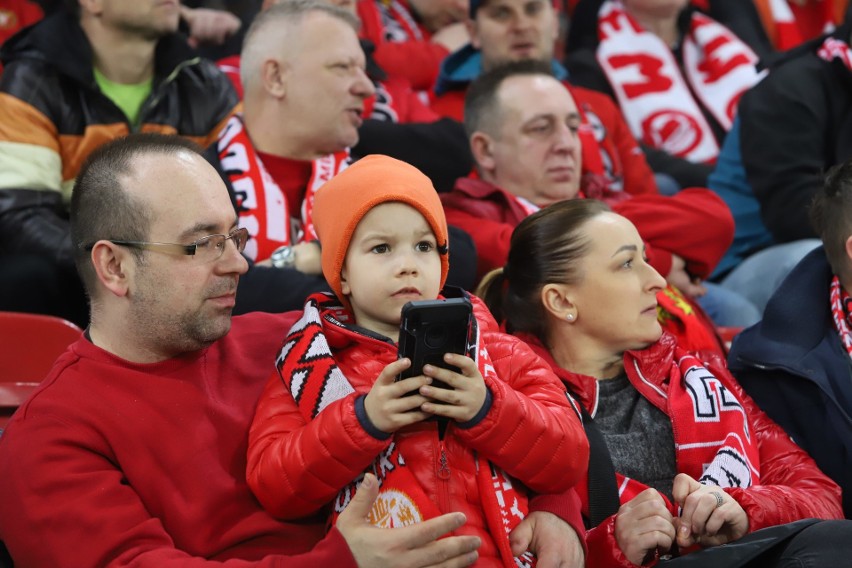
(656, 99)
(309, 372)
(787, 33)
(714, 441)
(261, 204)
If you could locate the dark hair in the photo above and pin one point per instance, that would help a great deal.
(831, 216)
(545, 248)
(101, 209)
(480, 103)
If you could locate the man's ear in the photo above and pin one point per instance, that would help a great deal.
(274, 74)
(556, 299)
(482, 147)
(849, 248)
(112, 264)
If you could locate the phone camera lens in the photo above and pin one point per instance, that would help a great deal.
(436, 336)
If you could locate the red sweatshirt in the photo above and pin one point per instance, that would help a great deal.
(116, 463)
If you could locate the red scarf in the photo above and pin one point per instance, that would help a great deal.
(261, 204)
(657, 100)
(840, 313)
(714, 441)
(307, 367)
(684, 319)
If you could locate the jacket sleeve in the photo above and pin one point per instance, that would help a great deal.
(695, 224)
(545, 447)
(791, 486)
(567, 507)
(416, 61)
(603, 546)
(32, 214)
(296, 468)
(785, 130)
(73, 492)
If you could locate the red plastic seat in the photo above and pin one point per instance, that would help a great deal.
(29, 344)
(727, 334)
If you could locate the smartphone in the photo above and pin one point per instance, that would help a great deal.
(431, 328)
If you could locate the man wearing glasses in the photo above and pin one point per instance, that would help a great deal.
(133, 450)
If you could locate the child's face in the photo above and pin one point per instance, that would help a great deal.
(392, 259)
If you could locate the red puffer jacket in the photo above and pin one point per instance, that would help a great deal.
(297, 468)
(791, 486)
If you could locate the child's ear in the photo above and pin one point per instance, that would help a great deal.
(344, 284)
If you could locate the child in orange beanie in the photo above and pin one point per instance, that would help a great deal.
(333, 410)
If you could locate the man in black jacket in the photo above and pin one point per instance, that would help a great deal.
(796, 362)
(71, 83)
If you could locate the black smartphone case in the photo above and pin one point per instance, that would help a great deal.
(431, 328)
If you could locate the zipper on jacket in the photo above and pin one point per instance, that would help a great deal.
(442, 471)
(157, 93)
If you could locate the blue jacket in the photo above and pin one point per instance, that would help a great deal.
(795, 367)
(729, 182)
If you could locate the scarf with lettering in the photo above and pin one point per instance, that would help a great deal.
(658, 101)
(261, 204)
(309, 372)
(714, 440)
(840, 313)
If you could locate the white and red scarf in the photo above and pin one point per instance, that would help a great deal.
(833, 48)
(398, 23)
(840, 313)
(307, 367)
(261, 204)
(714, 441)
(787, 32)
(656, 98)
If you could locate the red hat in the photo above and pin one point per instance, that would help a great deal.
(341, 203)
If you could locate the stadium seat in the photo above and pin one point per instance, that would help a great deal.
(29, 344)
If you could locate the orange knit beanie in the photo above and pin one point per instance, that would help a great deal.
(341, 203)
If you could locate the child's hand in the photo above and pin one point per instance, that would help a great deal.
(386, 404)
(465, 399)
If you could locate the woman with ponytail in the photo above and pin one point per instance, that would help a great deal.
(681, 458)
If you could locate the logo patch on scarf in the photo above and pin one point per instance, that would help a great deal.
(394, 508)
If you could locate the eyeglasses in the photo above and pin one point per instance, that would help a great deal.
(206, 249)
